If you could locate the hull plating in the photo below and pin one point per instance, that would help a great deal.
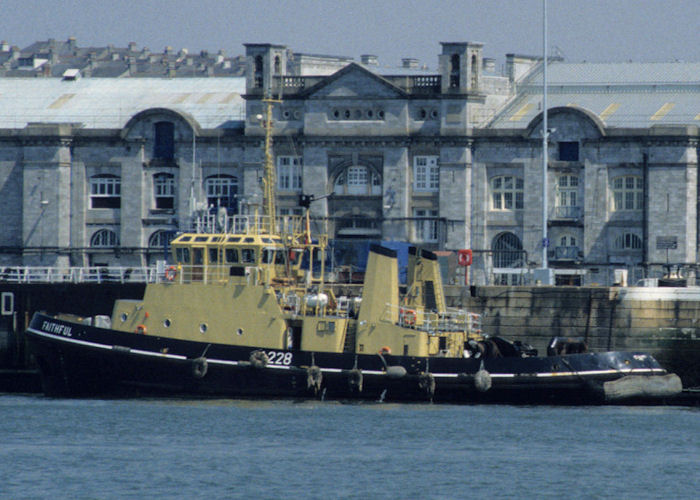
(81, 360)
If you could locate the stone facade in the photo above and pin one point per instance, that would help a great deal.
(449, 160)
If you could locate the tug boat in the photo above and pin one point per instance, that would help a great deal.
(245, 311)
(242, 313)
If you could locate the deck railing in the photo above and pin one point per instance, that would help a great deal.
(35, 274)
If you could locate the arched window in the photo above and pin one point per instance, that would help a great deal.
(104, 238)
(105, 191)
(628, 193)
(278, 65)
(164, 142)
(567, 241)
(161, 239)
(507, 251)
(506, 193)
(222, 191)
(258, 72)
(358, 180)
(474, 72)
(566, 248)
(454, 71)
(628, 241)
(164, 191)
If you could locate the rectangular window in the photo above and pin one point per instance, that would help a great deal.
(164, 191)
(289, 173)
(426, 230)
(164, 141)
(105, 192)
(568, 151)
(426, 173)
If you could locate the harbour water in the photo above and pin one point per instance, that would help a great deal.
(174, 448)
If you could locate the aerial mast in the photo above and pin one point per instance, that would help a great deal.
(545, 134)
(269, 176)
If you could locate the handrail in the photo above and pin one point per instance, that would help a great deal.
(100, 274)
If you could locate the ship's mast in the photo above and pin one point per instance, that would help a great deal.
(269, 177)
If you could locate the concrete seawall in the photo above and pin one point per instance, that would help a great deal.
(662, 321)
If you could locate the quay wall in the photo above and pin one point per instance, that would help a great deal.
(21, 300)
(662, 321)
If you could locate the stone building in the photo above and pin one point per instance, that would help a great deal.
(98, 171)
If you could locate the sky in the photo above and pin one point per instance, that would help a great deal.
(579, 30)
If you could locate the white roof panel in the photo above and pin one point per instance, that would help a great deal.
(111, 102)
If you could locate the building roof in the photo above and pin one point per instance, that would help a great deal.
(111, 102)
(621, 94)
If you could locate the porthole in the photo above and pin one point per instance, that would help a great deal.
(297, 115)
(336, 113)
(380, 114)
(358, 114)
(239, 331)
(203, 328)
(346, 114)
(286, 114)
(434, 113)
(123, 317)
(166, 323)
(370, 114)
(423, 114)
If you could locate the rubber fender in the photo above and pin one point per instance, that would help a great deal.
(314, 378)
(258, 359)
(199, 367)
(355, 379)
(395, 371)
(426, 381)
(482, 380)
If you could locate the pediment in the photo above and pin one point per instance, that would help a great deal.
(354, 81)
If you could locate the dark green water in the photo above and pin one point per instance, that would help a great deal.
(280, 449)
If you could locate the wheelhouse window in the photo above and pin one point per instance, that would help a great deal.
(289, 173)
(105, 191)
(164, 191)
(426, 230)
(628, 241)
(506, 193)
(222, 191)
(426, 174)
(628, 193)
(568, 151)
(164, 143)
(104, 238)
(358, 180)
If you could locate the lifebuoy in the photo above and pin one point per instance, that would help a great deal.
(407, 317)
(141, 329)
(170, 273)
(464, 257)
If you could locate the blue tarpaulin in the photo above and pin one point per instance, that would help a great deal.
(353, 254)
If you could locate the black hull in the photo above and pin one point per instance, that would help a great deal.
(80, 360)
